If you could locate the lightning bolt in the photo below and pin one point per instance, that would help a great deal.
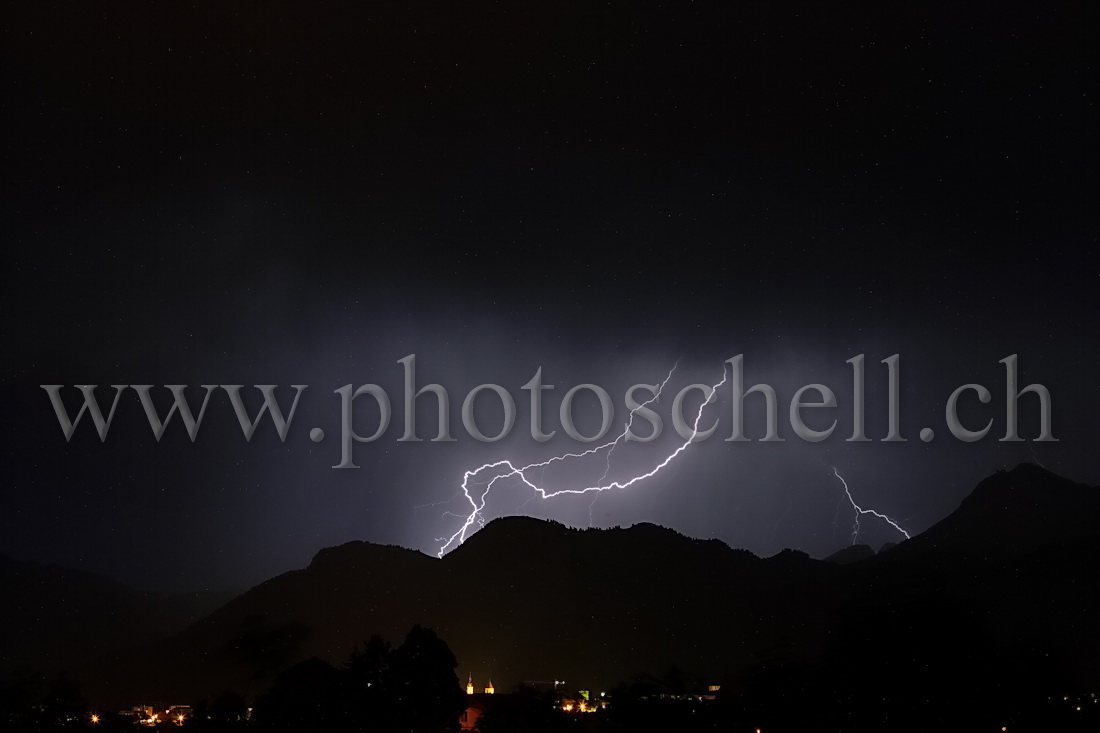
(607, 467)
(505, 469)
(1034, 455)
(860, 511)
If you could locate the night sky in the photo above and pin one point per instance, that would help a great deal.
(280, 194)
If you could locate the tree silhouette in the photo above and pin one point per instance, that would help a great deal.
(410, 689)
(369, 672)
(311, 695)
(371, 664)
(426, 689)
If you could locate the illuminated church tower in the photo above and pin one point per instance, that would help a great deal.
(470, 685)
(489, 690)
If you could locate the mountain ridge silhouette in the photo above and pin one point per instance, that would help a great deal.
(527, 599)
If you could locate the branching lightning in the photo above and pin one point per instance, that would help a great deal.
(860, 510)
(486, 476)
(505, 469)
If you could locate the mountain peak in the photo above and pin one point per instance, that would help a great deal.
(850, 554)
(1016, 511)
(358, 553)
